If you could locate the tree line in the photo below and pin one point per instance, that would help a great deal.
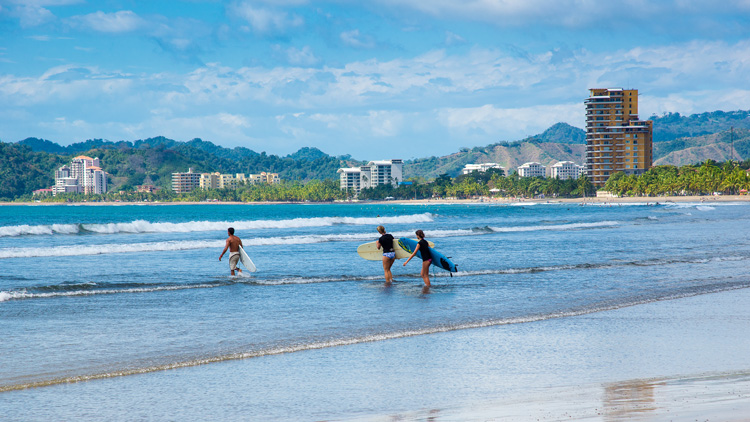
(702, 179)
(709, 177)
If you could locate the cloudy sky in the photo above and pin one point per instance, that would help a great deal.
(376, 79)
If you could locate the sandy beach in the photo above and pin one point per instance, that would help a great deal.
(487, 200)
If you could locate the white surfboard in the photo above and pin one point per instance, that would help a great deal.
(246, 261)
(370, 251)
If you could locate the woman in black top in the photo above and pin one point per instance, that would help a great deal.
(424, 247)
(389, 253)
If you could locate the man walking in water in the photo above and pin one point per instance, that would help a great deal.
(233, 243)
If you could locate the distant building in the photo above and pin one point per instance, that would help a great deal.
(42, 192)
(532, 169)
(270, 178)
(564, 170)
(218, 180)
(83, 175)
(209, 180)
(615, 139)
(481, 167)
(147, 186)
(186, 182)
(375, 173)
(351, 179)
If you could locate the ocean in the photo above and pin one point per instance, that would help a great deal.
(125, 312)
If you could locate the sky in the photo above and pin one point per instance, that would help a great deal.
(376, 79)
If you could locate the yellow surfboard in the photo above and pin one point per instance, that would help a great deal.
(371, 252)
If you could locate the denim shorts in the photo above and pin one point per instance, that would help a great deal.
(391, 255)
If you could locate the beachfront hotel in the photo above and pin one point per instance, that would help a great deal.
(375, 173)
(565, 170)
(83, 175)
(615, 139)
(469, 168)
(532, 169)
(187, 182)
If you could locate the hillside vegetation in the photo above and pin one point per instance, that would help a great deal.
(679, 140)
(30, 164)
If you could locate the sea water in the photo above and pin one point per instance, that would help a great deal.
(114, 296)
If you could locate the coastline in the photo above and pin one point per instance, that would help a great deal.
(483, 200)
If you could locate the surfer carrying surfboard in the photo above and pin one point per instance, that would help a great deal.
(424, 247)
(389, 253)
(233, 244)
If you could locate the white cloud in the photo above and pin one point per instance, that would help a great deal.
(514, 123)
(355, 39)
(453, 39)
(118, 22)
(568, 13)
(32, 15)
(298, 57)
(265, 20)
(437, 99)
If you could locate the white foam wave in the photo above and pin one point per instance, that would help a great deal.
(313, 280)
(571, 226)
(25, 229)
(704, 208)
(22, 294)
(142, 226)
(80, 250)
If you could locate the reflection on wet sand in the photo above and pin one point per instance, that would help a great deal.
(624, 400)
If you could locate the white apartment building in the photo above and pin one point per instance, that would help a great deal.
(375, 173)
(83, 175)
(350, 179)
(481, 167)
(564, 170)
(532, 169)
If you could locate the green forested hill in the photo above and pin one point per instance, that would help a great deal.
(23, 171)
(672, 126)
(692, 150)
(30, 164)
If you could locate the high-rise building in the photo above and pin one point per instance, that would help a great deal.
(82, 175)
(615, 139)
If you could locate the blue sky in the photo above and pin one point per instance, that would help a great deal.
(377, 79)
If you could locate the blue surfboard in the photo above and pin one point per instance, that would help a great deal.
(438, 259)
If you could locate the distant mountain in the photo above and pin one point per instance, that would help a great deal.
(307, 154)
(561, 142)
(562, 133)
(672, 126)
(679, 140)
(692, 150)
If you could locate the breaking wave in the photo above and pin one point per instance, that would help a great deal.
(570, 226)
(80, 250)
(142, 226)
